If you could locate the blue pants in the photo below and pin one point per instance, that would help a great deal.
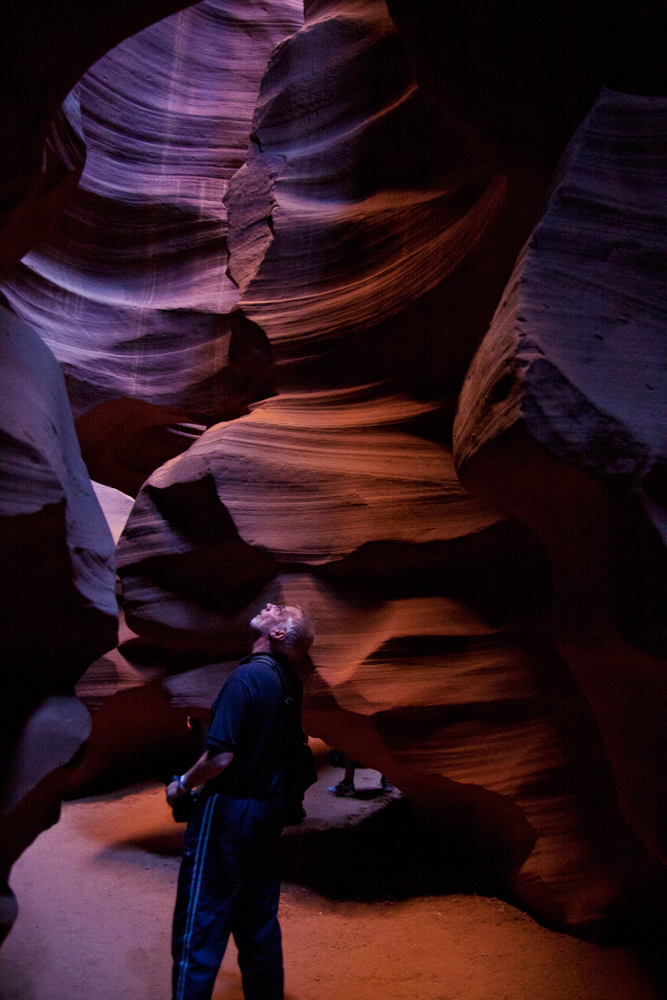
(229, 883)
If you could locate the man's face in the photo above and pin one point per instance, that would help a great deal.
(273, 614)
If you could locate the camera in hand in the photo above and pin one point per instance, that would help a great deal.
(182, 806)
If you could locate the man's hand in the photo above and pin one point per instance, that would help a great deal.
(174, 791)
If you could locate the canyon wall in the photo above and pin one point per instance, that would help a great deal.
(292, 231)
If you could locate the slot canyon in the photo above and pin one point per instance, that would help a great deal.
(357, 305)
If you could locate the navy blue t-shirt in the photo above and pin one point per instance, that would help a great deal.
(249, 719)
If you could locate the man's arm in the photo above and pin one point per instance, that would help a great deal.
(208, 766)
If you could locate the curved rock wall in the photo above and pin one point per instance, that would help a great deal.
(58, 605)
(131, 293)
(474, 719)
(280, 262)
(434, 664)
(369, 205)
(562, 420)
(58, 610)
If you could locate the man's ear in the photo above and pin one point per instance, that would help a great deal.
(277, 634)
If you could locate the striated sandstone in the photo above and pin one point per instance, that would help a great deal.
(433, 664)
(348, 188)
(58, 603)
(562, 421)
(58, 609)
(371, 217)
(589, 283)
(131, 292)
(306, 501)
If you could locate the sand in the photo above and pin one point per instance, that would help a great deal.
(96, 893)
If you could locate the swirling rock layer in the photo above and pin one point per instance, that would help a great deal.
(131, 294)
(58, 609)
(344, 499)
(367, 527)
(370, 231)
(349, 189)
(589, 282)
(561, 420)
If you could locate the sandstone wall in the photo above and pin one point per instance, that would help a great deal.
(291, 233)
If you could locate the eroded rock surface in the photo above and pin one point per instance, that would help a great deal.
(589, 283)
(562, 421)
(433, 662)
(473, 718)
(131, 293)
(58, 605)
(372, 210)
(58, 602)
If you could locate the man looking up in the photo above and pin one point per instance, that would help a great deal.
(229, 880)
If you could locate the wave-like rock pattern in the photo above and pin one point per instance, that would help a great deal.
(335, 477)
(562, 420)
(349, 188)
(58, 609)
(131, 293)
(364, 233)
(345, 501)
(330, 502)
(589, 282)
(44, 51)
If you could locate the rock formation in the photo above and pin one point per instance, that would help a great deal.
(343, 498)
(562, 420)
(58, 604)
(45, 50)
(131, 292)
(265, 297)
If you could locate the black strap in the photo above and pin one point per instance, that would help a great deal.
(297, 729)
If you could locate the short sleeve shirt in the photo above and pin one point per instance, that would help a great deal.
(249, 718)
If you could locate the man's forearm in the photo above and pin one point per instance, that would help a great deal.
(207, 767)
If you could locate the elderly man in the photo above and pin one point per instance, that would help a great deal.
(229, 879)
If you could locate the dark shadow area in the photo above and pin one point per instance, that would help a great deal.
(164, 844)
(386, 856)
(502, 572)
(640, 578)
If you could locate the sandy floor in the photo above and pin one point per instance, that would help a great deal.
(96, 893)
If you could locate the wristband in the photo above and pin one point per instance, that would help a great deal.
(181, 785)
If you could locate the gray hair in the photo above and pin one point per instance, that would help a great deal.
(299, 632)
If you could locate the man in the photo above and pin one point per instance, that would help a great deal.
(229, 879)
